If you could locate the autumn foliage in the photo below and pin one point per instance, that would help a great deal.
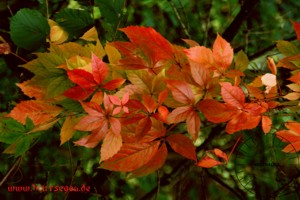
(127, 99)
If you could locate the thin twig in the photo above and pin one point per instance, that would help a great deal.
(15, 165)
(179, 19)
(223, 184)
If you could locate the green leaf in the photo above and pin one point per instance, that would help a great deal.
(74, 21)
(13, 125)
(57, 85)
(287, 48)
(22, 145)
(111, 10)
(70, 104)
(10, 137)
(29, 124)
(29, 29)
(242, 61)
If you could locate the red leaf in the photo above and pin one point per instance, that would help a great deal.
(149, 103)
(147, 36)
(179, 114)
(214, 111)
(182, 145)
(93, 109)
(212, 157)
(193, 124)
(114, 84)
(38, 111)
(297, 29)
(295, 78)
(131, 156)
(162, 96)
(181, 91)
(82, 78)
(99, 69)
(154, 164)
(222, 52)
(233, 95)
(115, 125)
(95, 120)
(90, 123)
(92, 140)
(78, 93)
(111, 145)
(143, 127)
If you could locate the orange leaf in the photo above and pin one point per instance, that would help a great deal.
(214, 111)
(233, 95)
(200, 74)
(219, 153)
(242, 121)
(179, 114)
(200, 55)
(291, 136)
(222, 52)
(266, 124)
(182, 145)
(154, 164)
(181, 91)
(208, 162)
(144, 125)
(295, 78)
(111, 145)
(32, 91)
(193, 124)
(272, 65)
(39, 112)
(212, 157)
(149, 103)
(92, 140)
(131, 156)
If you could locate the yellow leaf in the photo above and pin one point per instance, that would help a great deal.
(292, 96)
(57, 34)
(113, 54)
(43, 127)
(90, 35)
(295, 87)
(10, 149)
(67, 130)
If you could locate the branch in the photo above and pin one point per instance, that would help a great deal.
(269, 48)
(223, 184)
(235, 25)
(15, 165)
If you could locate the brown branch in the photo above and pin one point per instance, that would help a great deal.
(15, 165)
(269, 48)
(242, 16)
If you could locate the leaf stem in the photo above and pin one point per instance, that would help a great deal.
(234, 146)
